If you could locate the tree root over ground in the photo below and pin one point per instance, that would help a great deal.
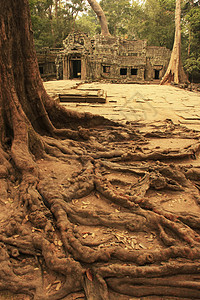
(111, 213)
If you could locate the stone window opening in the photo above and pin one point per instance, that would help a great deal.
(123, 71)
(134, 71)
(106, 69)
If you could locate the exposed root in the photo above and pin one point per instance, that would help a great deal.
(83, 206)
(9, 280)
(156, 286)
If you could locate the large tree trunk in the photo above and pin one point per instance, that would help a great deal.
(175, 70)
(101, 16)
(75, 213)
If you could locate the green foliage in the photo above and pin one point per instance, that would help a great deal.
(158, 23)
(41, 22)
(192, 65)
(193, 23)
(53, 20)
(89, 24)
(191, 39)
(118, 13)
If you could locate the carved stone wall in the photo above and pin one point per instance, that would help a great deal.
(115, 59)
(110, 58)
(48, 60)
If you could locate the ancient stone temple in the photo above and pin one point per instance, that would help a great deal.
(110, 58)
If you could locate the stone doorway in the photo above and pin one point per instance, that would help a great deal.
(156, 74)
(75, 68)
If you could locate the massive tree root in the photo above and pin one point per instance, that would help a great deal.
(102, 215)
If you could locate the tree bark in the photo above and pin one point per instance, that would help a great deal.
(101, 16)
(56, 9)
(175, 70)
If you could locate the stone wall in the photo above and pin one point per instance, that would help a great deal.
(47, 62)
(106, 58)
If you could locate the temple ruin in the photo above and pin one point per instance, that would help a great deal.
(106, 58)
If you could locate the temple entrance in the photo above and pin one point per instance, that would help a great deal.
(75, 68)
(156, 74)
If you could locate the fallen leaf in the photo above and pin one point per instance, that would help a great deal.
(132, 245)
(74, 201)
(142, 246)
(16, 236)
(89, 275)
(60, 243)
(48, 287)
(58, 286)
(84, 202)
(137, 247)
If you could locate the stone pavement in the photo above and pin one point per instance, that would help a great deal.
(136, 102)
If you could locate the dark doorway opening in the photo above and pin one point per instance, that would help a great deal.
(123, 71)
(156, 74)
(41, 70)
(76, 68)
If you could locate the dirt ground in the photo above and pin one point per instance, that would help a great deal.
(166, 123)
